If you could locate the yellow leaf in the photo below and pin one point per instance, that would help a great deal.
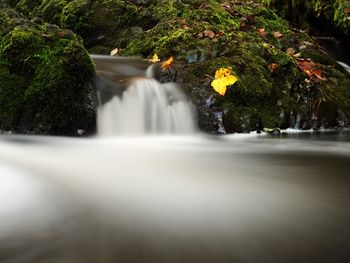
(154, 59)
(223, 78)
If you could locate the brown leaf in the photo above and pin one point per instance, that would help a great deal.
(290, 51)
(310, 68)
(273, 68)
(277, 35)
(185, 27)
(220, 34)
(209, 33)
(262, 32)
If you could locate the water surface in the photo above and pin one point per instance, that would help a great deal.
(243, 198)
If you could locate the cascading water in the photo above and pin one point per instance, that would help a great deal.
(146, 107)
(142, 105)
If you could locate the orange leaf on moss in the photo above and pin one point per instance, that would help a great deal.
(167, 64)
(262, 32)
(273, 68)
(310, 68)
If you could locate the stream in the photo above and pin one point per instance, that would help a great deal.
(233, 198)
(149, 187)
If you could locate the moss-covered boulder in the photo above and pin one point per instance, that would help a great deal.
(45, 76)
(273, 89)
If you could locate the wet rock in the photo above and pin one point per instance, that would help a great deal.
(192, 56)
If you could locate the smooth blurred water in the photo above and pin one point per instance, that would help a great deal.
(133, 102)
(237, 198)
(147, 107)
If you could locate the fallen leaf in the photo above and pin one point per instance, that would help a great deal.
(209, 33)
(167, 64)
(154, 59)
(185, 27)
(277, 35)
(223, 78)
(290, 51)
(114, 52)
(262, 32)
(220, 34)
(273, 68)
(310, 68)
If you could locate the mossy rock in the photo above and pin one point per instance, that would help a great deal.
(334, 12)
(45, 82)
(12, 88)
(26, 7)
(107, 18)
(50, 10)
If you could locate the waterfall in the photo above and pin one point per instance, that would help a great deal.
(146, 106)
(132, 102)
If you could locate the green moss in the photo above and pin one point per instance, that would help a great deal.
(319, 57)
(27, 6)
(12, 88)
(74, 16)
(12, 3)
(114, 13)
(50, 10)
(59, 88)
(8, 19)
(44, 86)
(165, 39)
(105, 17)
(341, 15)
(334, 11)
(272, 23)
(246, 119)
(165, 10)
(19, 47)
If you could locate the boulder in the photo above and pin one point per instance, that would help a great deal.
(45, 76)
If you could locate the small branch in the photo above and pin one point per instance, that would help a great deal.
(209, 76)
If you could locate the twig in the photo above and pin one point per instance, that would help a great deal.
(209, 76)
